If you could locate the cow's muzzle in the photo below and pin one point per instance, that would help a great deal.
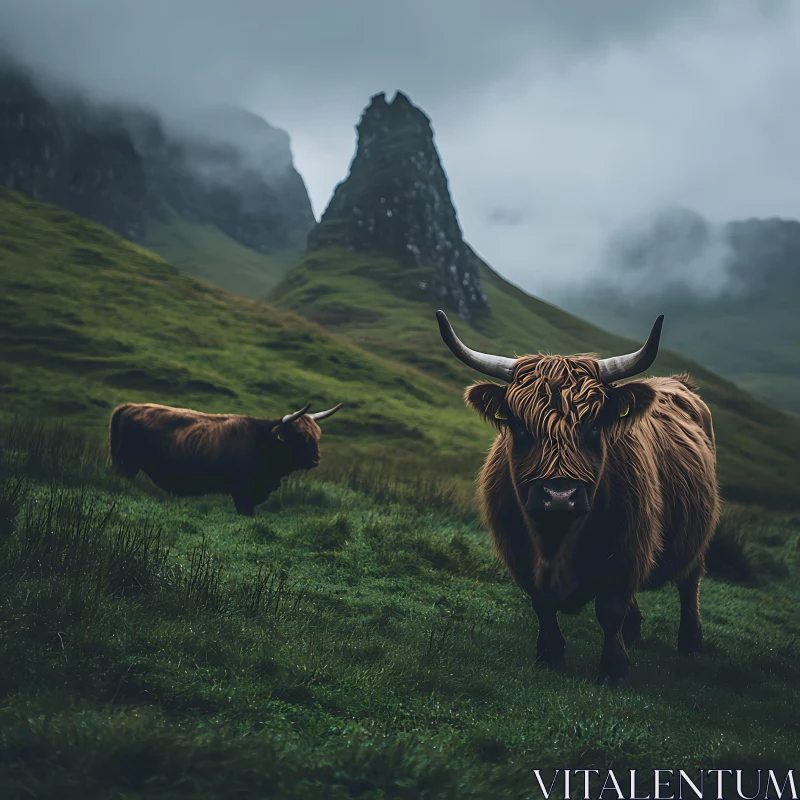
(559, 495)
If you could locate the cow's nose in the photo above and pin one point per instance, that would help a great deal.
(557, 495)
(558, 499)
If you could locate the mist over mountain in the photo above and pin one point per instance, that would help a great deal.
(676, 250)
(124, 166)
(728, 292)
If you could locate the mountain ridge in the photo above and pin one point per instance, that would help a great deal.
(127, 168)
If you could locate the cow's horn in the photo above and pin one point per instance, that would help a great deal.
(323, 414)
(292, 417)
(493, 366)
(617, 368)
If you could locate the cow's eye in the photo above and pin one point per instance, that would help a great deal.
(593, 433)
(522, 435)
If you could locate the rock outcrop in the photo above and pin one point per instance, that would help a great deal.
(396, 202)
(121, 166)
(228, 168)
(68, 155)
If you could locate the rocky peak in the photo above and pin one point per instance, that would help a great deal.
(396, 202)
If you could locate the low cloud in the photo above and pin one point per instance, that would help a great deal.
(558, 124)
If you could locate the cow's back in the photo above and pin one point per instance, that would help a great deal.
(183, 451)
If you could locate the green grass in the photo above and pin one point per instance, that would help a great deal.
(373, 302)
(357, 638)
(345, 642)
(205, 252)
(776, 388)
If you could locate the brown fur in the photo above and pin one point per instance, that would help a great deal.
(190, 453)
(655, 497)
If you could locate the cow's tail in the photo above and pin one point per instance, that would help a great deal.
(119, 446)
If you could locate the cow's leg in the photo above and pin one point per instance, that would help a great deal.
(244, 505)
(126, 467)
(690, 632)
(611, 610)
(129, 471)
(550, 642)
(632, 627)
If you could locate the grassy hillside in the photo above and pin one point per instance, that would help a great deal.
(374, 302)
(90, 320)
(357, 638)
(205, 252)
(348, 642)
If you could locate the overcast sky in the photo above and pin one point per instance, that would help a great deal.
(557, 120)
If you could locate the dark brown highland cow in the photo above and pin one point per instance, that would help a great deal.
(596, 490)
(189, 453)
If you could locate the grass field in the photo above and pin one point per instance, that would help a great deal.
(88, 320)
(353, 640)
(357, 638)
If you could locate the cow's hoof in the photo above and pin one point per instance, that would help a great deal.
(690, 644)
(615, 682)
(552, 663)
(690, 648)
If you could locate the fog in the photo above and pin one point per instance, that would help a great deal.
(558, 123)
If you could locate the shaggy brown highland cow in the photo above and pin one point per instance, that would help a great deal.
(595, 490)
(189, 453)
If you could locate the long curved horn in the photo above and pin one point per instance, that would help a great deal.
(292, 417)
(617, 368)
(493, 366)
(323, 414)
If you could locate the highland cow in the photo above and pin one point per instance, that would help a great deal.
(595, 489)
(190, 453)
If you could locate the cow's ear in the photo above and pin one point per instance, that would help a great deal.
(629, 401)
(278, 431)
(489, 400)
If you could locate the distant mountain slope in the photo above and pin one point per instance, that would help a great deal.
(366, 294)
(356, 296)
(205, 252)
(730, 292)
(221, 169)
